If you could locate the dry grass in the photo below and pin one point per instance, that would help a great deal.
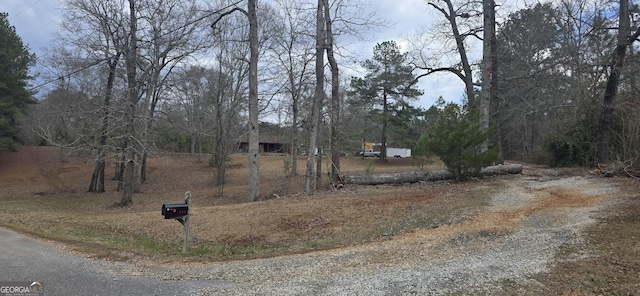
(45, 197)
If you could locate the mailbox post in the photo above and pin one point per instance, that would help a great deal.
(180, 212)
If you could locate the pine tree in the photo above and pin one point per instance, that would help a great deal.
(456, 138)
(386, 86)
(15, 61)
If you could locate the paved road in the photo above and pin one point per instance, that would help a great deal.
(23, 258)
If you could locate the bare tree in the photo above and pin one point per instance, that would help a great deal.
(292, 49)
(254, 136)
(112, 56)
(171, 34)
(336, 18)
(318, 97)
(96, 57)
(466, 12)
(335, 97)
(209, 101)
(488, 65)
(189, 94)
(131, 57)
(97, 178)
(625, 39)
(227, 97)
(64, 118)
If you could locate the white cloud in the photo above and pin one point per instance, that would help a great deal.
(36, 20)
(405, 18)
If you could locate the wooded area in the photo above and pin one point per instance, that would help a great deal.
(553, 83)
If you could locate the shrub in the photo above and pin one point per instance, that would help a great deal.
(577, 147)
(456, 138)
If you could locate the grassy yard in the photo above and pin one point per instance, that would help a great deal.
(44, 197)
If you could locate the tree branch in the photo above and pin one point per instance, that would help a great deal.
(634, 37)
(435, 70)
(444, 12)
(215, 22)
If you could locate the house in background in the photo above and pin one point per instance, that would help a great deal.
(268, 144)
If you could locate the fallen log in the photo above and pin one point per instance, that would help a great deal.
(418, 176)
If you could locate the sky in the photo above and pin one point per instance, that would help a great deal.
(36, 21)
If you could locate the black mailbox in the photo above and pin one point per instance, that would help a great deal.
(175, 211)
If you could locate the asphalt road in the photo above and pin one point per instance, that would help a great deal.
(23, 259)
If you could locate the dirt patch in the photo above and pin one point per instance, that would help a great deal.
(607, 262)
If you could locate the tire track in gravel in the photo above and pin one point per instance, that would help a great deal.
(516, 236)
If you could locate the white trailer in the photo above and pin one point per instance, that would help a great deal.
(399, 152)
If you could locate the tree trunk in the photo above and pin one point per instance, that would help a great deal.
(119, 172)
(495, 102)
(129, 151)
(611, 91)
(97, 178)
(150, 100)
(192, 144)
(254, 136)
(295, 93)
(137, 181)
(385, 123)
(467, 76)
(318, 96)
(294, 138)
(318, 159)
(487, 68)
(421, 176)
(141, 173)
(199, 141)
(335, 100)
(220, 159)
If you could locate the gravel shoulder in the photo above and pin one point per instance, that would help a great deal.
(516, 236)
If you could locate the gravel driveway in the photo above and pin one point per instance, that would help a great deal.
(516, 236)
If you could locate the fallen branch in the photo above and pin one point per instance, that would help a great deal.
(633, 174)
(418, 176)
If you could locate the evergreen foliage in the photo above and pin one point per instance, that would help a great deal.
(15, 61)
(455, 138)
(575, 148)
(385, 89)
